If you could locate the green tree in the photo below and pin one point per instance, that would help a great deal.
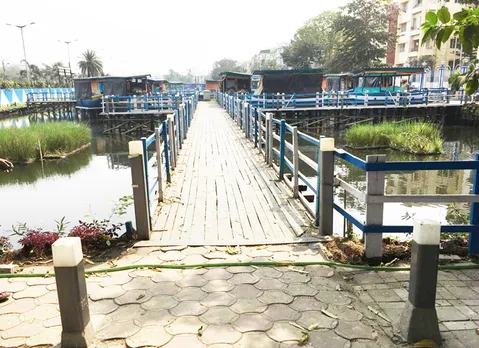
(223, 65)
(440, 25)
(362, 35)
(313, 43)
(265, 64)
(91, 64)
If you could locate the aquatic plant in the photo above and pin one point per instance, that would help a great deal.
(413, 137)
(53, 139)
(38, 243)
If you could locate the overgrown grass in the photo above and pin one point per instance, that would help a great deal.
(56, 138)
(413, 137)
(12, 106)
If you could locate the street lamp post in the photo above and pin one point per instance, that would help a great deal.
(68, 48)
(23, 43)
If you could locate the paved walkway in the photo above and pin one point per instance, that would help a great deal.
(457, 302)
(223, 193)
(240, 306)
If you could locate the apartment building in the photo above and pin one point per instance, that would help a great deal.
(409, 50)
(269, 55)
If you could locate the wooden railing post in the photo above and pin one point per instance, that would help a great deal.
(140, 189)
(373, 242)
(172, 141)
(159, 165)
(269, 138)
(295, 143)
(326, 192)
(282, 148)
(166, 153)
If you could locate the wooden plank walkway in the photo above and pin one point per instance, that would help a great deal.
(224, 194)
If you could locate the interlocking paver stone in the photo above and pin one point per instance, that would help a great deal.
(164, 288)
(127, 312)
(32, 292)
(267, 273)
(371, 278)
(5, 285)
(191, 280)
(318, 318)
(278, 312)
(148, 336)
(245, 291)
(327, 339)
(101, 293)
(307, 303)
(283, 331)
(195, 251)
(345, 313)
(463, 293)
(220, 334)
(159, 302)
(240, 269)
(333, 297)
(26, 329)
(384, 295)
(154, 318)
(252, 322)
(9, 320)
(48, 336)
(172, 255)
(449, 314)
(275, 296)
(99, 321)
(354, 330)
(18, 306)
(191, 341)
(256, 340)
(167, 275)
(42, 312)
(248, 305)
(103, 307)
(319, 271)
(185, 325)
(118, 329)
(188, 308)
(40, 281)
(50, 298)
(218, 316)
(270, 284)
(217, 274)
(190, 294)
(133, 296)
(145, 273)
(140, 283)
(259, 253)
(295, 277)
(218, 286)
(244, 278)
(300, 289)
(218, 299)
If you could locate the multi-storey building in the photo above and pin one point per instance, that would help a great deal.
(409, 50)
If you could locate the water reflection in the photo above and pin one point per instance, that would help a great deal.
(89, 182)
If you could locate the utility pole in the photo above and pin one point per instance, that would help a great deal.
(23, 43)
(68, 48)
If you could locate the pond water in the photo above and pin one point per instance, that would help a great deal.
(92, 181)
(82, 186)
(460, 143)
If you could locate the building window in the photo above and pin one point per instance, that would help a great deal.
(417, 3)
(404, 6)
(415, 45)
(429, 43)
(402, 47)
(403, 27)
(416, 23)
(454, 43)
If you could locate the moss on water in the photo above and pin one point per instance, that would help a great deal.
(413, 137)
(55, 139)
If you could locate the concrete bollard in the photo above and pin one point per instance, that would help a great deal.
(419, 318)
(77, 329)
(140, 197)
(326, 195)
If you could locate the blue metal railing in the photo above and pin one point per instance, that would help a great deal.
(234, 106)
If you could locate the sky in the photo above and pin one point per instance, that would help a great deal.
(137, 37)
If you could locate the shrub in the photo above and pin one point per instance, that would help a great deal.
(4, 244)
(96, 234)
(38, 243)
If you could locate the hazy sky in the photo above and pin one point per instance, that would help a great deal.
(134, 37)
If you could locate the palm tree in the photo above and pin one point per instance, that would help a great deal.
(91, 65)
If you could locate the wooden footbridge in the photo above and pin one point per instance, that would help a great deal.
(227, 173)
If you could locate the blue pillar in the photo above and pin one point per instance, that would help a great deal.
(473, 236)
(256, 118)
(282, 135)
(145, 159)
(166, 153)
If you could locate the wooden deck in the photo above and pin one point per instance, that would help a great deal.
(224, 194)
